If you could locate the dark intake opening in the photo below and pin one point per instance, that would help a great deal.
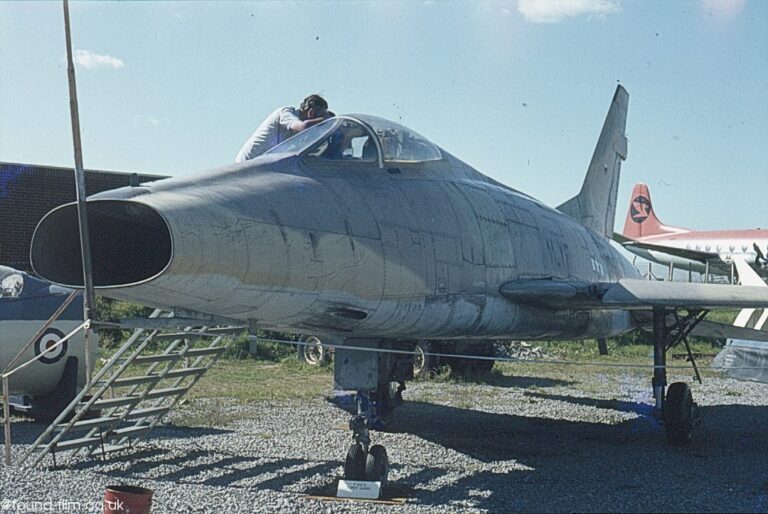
(130, 243)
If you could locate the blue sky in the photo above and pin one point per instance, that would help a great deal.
(517, 89)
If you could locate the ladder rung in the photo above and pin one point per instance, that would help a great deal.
(76, 443)
(145, 413)
(128, 431)
(185, 335)
(162, 393)
(161, 357)
(90, 423)
(115, 402)
(204, 351)
(145, 379)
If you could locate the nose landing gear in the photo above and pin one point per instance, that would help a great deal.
(363, 461)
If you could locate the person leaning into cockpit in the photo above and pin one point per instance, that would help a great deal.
(282, 124)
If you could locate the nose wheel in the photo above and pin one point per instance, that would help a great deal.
(354, 464)
(377, 465)
(363, 461)
(372, 465)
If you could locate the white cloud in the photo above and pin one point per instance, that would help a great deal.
(93, 61)
(723, 8)
(552, 11)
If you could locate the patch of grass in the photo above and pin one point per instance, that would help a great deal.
(248, 380)
(586, 350)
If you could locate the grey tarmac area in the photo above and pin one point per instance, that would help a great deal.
(580, 442)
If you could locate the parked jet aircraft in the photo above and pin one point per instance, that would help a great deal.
(361, 228)
(26, 303)
(646, 236)
(744, 359)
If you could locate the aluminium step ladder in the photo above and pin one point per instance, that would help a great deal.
(142, 381)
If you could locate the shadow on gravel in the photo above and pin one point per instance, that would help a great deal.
(518, 382)
(27, 431)
(644, 409)
(592, 466)
(218, 469)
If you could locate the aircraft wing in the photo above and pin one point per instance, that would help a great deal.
(692, 255)
(632, 294)
(713, 329)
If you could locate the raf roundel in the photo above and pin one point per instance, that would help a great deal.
(641, 209)
(44, 345)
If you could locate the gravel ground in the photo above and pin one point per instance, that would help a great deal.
(577, 442)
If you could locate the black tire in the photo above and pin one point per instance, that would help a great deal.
(424, 366)
(377, 465)
(355, 463)
(313, 352)
(678, 414)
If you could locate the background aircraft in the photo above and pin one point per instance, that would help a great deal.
(47, 386)
(646, 236)
(361, 228)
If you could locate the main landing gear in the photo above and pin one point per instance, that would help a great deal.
(365, 462)
(674, 405)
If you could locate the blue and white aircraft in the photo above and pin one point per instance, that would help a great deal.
(26, 303)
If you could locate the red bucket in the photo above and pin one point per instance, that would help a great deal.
(127, 499)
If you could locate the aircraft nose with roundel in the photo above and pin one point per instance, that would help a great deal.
(26, 303)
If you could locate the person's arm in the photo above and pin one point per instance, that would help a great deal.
(298, 126)
(291, 121)
(295, 124)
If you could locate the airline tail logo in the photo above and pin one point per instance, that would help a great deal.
(641, 208)
(641, 219)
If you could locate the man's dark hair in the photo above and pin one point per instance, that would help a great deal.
(316, 102)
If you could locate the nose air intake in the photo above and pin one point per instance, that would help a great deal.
(130, 243)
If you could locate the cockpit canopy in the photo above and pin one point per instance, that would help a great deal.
(360, 138)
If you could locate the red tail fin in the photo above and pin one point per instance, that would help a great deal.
(641, 220)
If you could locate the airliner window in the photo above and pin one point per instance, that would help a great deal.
(350, 141)
(11, 284)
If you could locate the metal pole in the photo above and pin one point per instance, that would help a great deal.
(7, 420)
(659, 357)
(85, 247)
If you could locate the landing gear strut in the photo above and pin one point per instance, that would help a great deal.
(674, 406)
(365, 462)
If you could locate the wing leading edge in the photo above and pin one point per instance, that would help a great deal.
(629, 294)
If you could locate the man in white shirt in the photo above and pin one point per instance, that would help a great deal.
(282, 124)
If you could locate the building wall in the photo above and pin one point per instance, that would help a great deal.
(28, 192)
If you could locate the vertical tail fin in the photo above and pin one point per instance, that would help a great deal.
(595, 205)
(641, 218)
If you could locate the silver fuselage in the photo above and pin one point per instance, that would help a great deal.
(403, 251)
